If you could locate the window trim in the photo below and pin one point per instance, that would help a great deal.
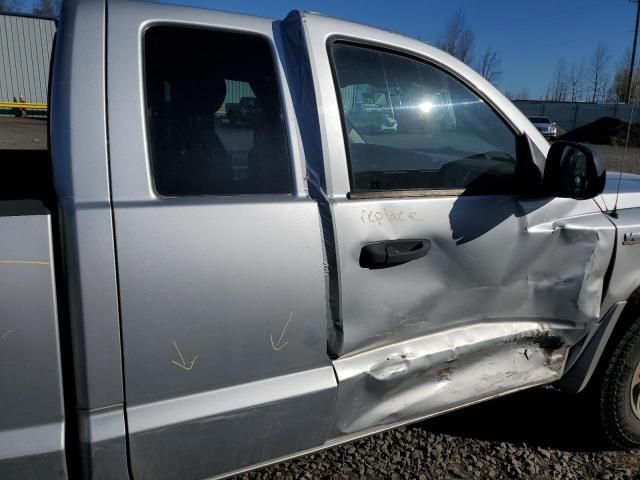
(276, 71)
(411, 192)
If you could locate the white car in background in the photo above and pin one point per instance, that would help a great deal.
(545, 126)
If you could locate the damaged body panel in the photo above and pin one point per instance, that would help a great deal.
(447, 370)
(467, 321)
(622, 279)
(526, 266)
(508, 283)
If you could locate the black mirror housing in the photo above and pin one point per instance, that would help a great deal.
(573, 171)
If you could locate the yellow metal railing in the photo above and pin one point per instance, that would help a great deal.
(23, 106)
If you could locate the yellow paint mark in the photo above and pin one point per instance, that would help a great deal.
(23, 262)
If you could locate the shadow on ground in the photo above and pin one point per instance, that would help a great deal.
(538, 417)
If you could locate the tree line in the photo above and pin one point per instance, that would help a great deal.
(458, 40)
(45, 8)
(595, 79)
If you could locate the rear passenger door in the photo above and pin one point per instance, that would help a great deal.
(220, 260)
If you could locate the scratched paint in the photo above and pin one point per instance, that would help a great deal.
(446, 370)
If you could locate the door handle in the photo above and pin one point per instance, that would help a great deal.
(390, 253)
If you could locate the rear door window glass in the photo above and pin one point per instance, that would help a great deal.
(214, 115)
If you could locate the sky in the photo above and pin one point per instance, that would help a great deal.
(529, 35)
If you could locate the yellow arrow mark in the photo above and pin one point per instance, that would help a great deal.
(183, 364)
(277, 345)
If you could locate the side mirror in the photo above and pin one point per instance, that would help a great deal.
(573, 171)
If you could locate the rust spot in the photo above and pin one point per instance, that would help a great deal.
(558, 358)
(443, 374)
(548, 342)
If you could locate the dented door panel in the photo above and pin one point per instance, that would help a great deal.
(503, 293)
(508, 286)
(445, 370)
(520, 263)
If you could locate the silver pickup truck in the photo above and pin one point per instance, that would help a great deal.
(182, 297)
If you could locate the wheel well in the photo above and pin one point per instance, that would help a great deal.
(630, 312)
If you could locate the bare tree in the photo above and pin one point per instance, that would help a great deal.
(574, 79)
(558, 87)
(458, 37)
(490, 65)
(611, 96)
(523, 94)
(598, 69)
(47, 8)
(547, 92)
(604, 90)
(621, 77)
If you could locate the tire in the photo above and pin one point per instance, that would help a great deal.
(620, 389)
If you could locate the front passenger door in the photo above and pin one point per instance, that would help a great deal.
(454, 285)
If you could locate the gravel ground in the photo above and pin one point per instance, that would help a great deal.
(539, 434)
(23, 134)
(614, 158)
